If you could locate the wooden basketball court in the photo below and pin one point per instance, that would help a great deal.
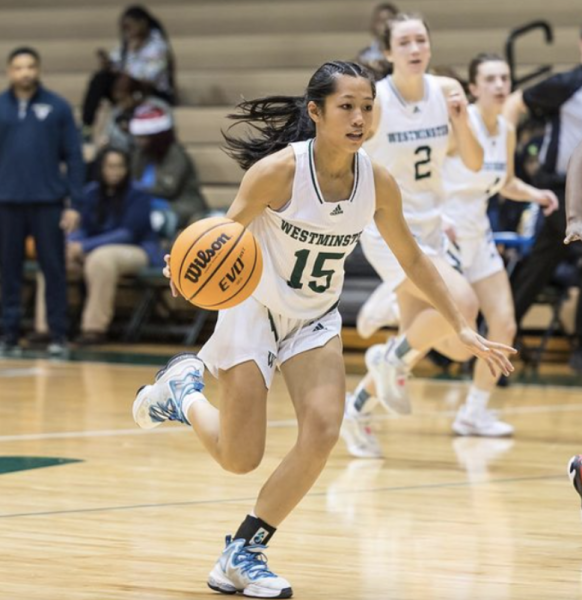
(143, 515)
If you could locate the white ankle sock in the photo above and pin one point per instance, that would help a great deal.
(189, 401)
(477, 400)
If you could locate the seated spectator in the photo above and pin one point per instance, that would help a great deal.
(373, 57)
(115, 239)
(162, 167)
(127, 96)
(144, 55)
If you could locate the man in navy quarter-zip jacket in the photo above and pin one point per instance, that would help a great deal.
(37, 136)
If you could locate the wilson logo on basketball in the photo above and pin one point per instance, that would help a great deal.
(203, 258)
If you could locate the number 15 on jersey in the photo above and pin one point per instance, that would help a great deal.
(321, 273)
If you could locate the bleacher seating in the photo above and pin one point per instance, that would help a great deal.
(227, 49)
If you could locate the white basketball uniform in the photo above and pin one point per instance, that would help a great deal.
(467, 195)
(305, 245)
(411, 142)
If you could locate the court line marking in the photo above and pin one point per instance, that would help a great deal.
(26, 437)
(516, 410)
(21, 372)
(453, 484)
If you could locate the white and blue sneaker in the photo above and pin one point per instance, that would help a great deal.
(162, 401)
(244, 569)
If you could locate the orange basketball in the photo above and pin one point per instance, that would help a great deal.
(216, 263)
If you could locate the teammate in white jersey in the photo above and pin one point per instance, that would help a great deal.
(465, 211)
(418, 119)
(307, 204)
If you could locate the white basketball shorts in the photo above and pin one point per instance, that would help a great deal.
(250, 331)
(479, 257)
(387, 266)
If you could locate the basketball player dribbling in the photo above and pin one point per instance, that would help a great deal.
(418, 119)
(307, 195)
(467, 195)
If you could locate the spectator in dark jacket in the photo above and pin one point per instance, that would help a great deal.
(115, 239)
(162, 167)
(37, 135)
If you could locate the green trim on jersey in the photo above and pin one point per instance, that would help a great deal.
(316, 183)
(402, 100)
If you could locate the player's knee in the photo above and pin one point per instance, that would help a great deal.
(468, 305)
(321, 433)
(243, 463)
(503, 329)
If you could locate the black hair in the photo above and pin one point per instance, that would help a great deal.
(402, 18)
(111, 200)
(140, 13)
(24, 50)
(387, 6)
(281, 120)
(478, 60)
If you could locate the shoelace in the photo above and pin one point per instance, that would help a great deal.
(253, 562)
(166, 412)
(171, 410)
(191, 382)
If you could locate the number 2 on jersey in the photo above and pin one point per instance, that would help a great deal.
(421, 171)
(317, 272)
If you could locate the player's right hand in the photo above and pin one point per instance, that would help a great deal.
(493, 353)
(167, 274)
(457, 106)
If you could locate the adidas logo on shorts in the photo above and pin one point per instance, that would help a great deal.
(319, 327)
(271, 359)
(336, 211)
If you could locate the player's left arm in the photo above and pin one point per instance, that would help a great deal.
(420, 270)
(574, 197)
(516, 189)
(463, 140)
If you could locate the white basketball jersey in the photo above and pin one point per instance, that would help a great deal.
(411, 142)
(305, 244)
(467, 192)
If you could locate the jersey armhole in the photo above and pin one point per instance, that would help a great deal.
(288, 203)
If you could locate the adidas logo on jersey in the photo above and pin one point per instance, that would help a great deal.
(336, 211)
(416, 110)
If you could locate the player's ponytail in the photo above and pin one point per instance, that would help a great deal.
(277, 121)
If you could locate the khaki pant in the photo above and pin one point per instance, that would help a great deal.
(101, 269)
